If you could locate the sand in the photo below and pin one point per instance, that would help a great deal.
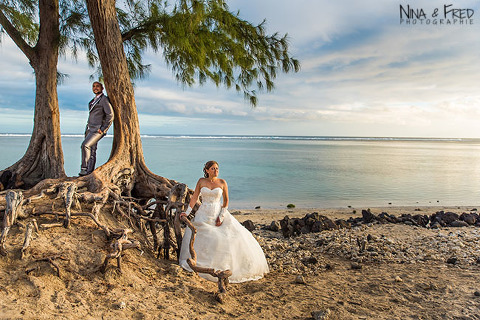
(150, 288)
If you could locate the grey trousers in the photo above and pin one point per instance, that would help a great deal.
(89, 151)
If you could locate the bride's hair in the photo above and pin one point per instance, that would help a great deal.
(207, 166)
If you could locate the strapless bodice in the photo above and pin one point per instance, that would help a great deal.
(211, 195)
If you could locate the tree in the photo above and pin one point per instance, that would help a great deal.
(126, 161)
(199, 38)
(44, 155)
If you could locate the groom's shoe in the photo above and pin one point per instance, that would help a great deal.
(83, 173)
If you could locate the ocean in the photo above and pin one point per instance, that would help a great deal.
(309, 172)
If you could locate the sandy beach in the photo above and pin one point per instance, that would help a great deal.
(370, 271)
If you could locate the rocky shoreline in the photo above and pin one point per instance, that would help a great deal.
(303, 245)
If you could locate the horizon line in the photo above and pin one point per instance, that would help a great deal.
(263, 136)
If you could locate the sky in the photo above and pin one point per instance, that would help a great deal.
(364, 72)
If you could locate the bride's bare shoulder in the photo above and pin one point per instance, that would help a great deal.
(202, 181)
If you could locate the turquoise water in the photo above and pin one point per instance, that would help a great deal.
(272, 172)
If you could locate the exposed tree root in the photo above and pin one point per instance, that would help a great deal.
(52, 225)
(222, 275)
(68, 193)
(76, 214)
(65, 198)
(34, 221)
(13, 209)
(118, 246)
(50, 260)
(28, 238)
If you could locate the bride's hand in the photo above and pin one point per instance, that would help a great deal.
(218, 223)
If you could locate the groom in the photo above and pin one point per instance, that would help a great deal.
(99, 120)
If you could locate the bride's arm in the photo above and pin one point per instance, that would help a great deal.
(221, 216)
(225, 194)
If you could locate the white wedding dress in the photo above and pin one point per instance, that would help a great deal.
(227, 247)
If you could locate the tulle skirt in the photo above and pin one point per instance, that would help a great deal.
(226, 247)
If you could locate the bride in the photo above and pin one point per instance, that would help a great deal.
(221, 241)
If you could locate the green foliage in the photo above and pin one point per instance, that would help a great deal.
(76, 32)
(74, 26)
(202, 40)
(22, 15)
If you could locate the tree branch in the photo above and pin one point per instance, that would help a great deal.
(128, 35)
(142, 29)
(15, 35)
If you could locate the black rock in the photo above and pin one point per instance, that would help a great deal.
(312, 222)
(356, 266)
(274, 226)
(444, 218)
(354, 222)
(288, 229)
(476, 293)
(305, 229)
(300, 223)
(309, 221)
(452, 260)
(313, 215)
(416, 220)
(387, 217)
(323, 242)
(323, 223)
(300, 279)
(310, 260)
(249, 225)
(421, 220)
(342, 224)
(458, 224)
(470, 218)
(317, 226)
(435, 225)
(367, 216)
(329, 223)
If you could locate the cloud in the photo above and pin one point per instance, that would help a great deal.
(363, 73)
(310, 23)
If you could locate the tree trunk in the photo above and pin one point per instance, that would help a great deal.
(44, 157)
(126, 166)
